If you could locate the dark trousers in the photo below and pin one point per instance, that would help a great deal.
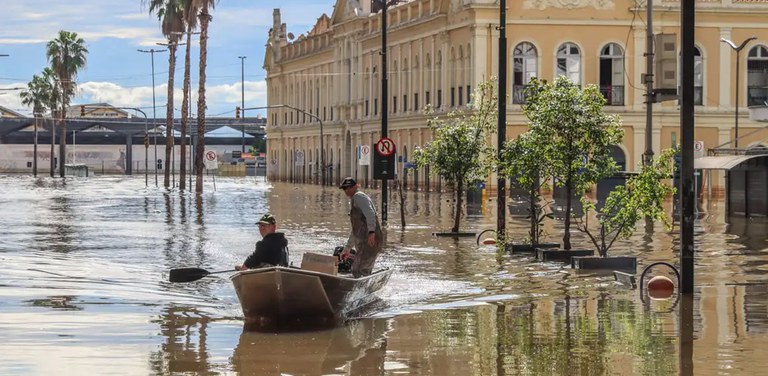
(365, 258)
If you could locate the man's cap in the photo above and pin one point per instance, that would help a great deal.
(267, 219)
(348, 182)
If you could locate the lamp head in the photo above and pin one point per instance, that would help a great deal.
(728, 42)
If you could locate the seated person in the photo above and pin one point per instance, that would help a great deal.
(271, 250)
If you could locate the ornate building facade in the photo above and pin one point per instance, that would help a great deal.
(439, 50)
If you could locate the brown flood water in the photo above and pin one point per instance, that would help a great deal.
(83, 290)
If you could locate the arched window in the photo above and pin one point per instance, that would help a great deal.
(525, 62)
(460, 75)
(569, 62)
(757, 76)
(405, 84)
(367, 93)
(376, 90)
(698, 77)
(416, 72)
(439, 79)
(427, 80)
(612, 74)
(393, 87)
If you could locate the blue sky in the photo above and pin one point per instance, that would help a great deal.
(118, 74)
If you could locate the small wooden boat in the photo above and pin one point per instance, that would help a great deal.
(279, 296)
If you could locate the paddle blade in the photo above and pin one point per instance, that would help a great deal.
(187, 274)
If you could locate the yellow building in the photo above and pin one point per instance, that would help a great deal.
(439, 50)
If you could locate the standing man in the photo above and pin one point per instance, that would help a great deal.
(366, 234)
(271, 250)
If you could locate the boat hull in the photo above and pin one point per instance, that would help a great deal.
(278, 296)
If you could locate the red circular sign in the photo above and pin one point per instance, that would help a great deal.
(210, 155)
(385, 147)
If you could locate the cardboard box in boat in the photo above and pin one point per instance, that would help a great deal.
(319, 263)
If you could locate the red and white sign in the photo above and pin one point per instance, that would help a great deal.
(698, 149)
(364, 155)
(385, 147)
(211, 160)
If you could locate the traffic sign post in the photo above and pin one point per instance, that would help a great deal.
(698, 149)
(385, 147)
(364, 155)
(384, 160)
(210, 161)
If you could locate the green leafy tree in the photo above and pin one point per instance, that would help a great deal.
(642, 196)
(459, 151)
(67, 56)
(170, 13)
(577, 136)
(522, 160)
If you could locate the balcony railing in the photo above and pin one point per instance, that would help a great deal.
(614, 94)
(757, 95)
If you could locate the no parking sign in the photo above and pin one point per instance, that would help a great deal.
(364, 155)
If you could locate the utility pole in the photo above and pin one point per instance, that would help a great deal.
(152, 51)
(242, 98)
(502, 123)
(384, 99)
(687, 196)
(649, 96)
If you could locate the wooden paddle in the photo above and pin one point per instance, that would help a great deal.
(192, 274)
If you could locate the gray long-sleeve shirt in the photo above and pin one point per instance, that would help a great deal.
(364, 203)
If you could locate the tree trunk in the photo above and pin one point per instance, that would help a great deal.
(402, 202)
(184, 115)
(534, 218)
(53, 142)
(200, 147)
(34, 151)
(567, 223)
(63, 141)
(457, 213)
(169, 114)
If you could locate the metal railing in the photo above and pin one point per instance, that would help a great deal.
(614, 94)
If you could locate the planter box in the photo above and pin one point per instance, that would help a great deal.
(611, 263)
(543, 254)
(530, 248)
(455, 234)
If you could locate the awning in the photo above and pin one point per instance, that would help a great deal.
(721, 162)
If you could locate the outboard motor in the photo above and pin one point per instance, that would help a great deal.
(345, 264)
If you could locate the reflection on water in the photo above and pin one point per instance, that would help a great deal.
(85, 290)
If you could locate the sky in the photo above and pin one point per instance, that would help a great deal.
(118, 74)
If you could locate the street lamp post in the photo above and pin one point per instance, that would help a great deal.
(738, 51)
(152, 51)
(242, 97)
(322, 149)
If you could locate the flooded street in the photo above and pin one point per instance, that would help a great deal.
(85, 290)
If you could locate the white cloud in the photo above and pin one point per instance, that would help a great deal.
(10, 98)
(221, 99)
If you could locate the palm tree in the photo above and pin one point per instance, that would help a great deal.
(36, 95)
(52, 103)
(205, 18)
(190, 22)
(67, 56)
(170, 14)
